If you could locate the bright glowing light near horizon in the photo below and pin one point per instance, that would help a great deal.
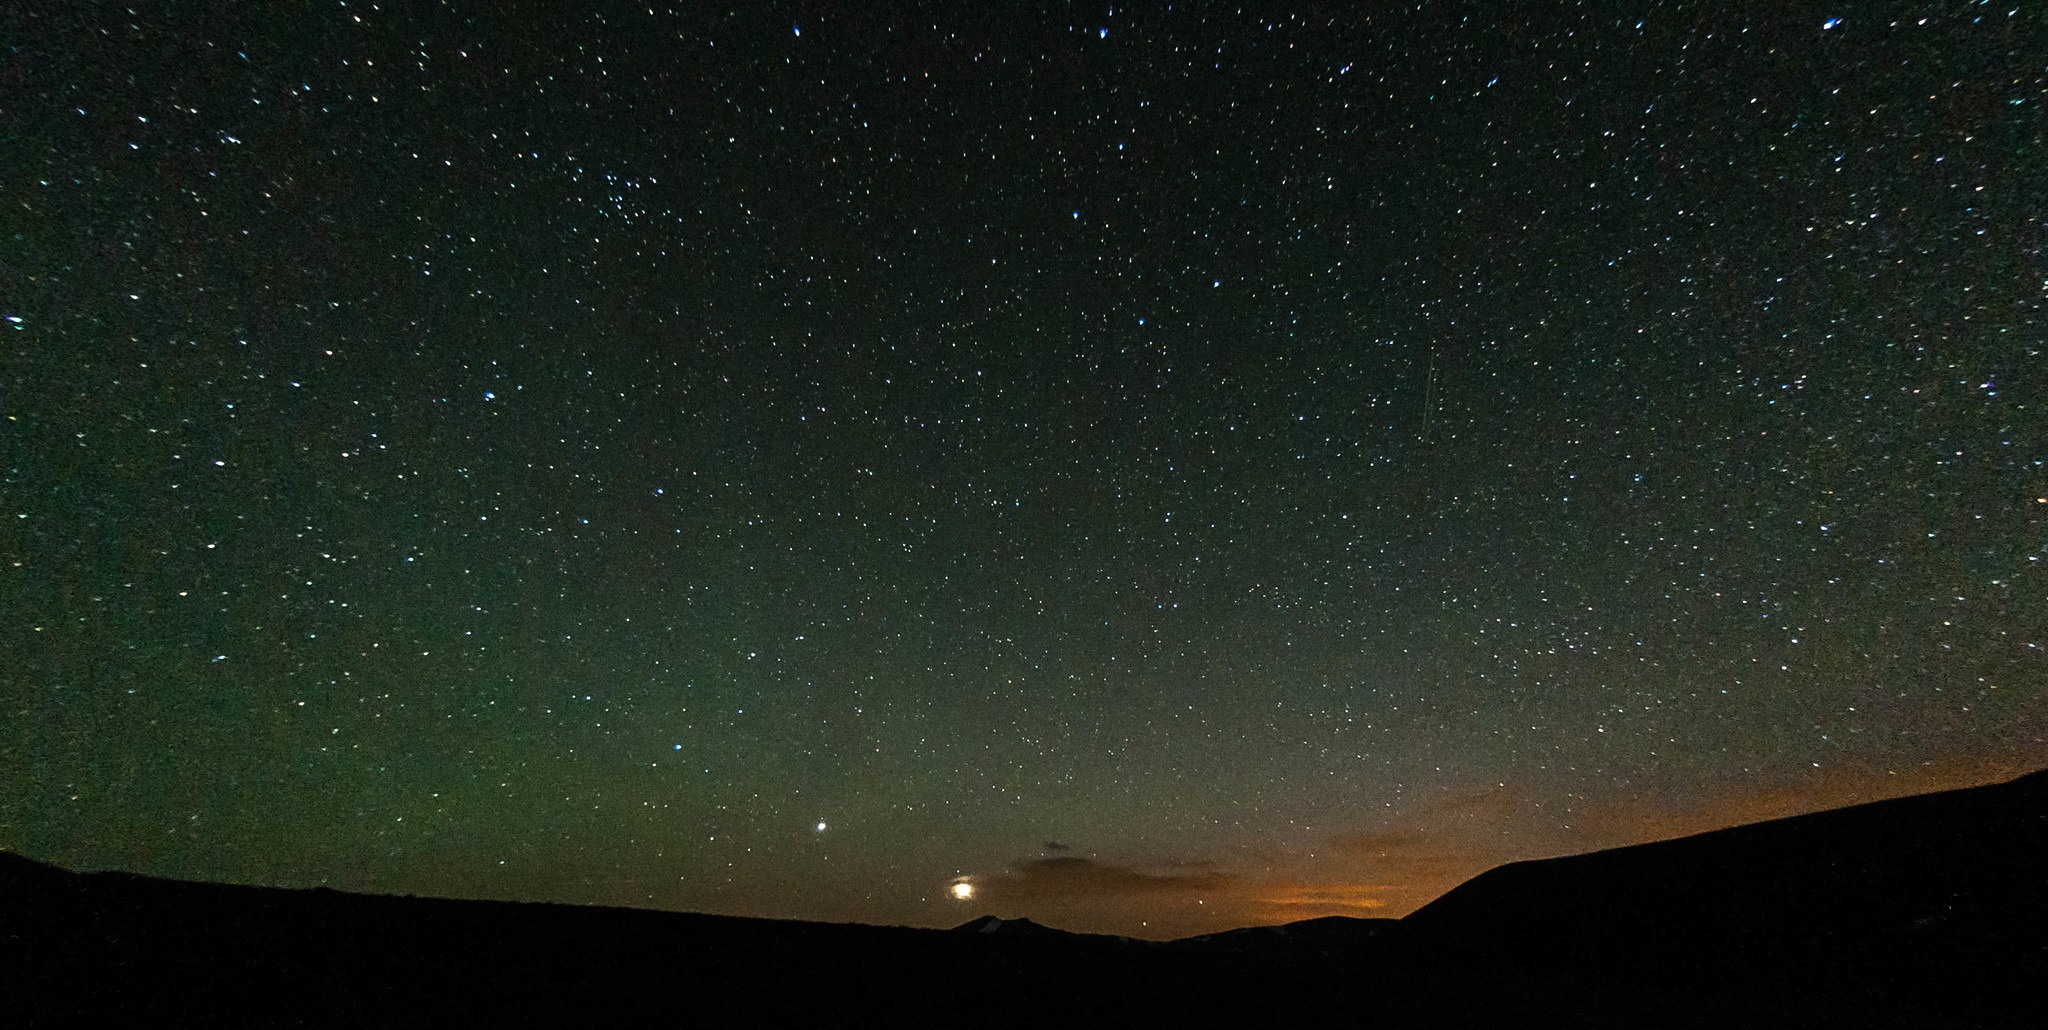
(963, 891)
(821, 827)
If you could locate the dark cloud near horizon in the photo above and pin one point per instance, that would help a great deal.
(1072, 876)
(1165, 898)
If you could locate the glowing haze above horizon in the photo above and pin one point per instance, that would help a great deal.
(1147, 470)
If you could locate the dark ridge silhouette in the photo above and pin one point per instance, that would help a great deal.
(1929, 911)
(1316, 935)
(1920, 908)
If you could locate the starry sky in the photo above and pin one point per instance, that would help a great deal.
(1151, 470)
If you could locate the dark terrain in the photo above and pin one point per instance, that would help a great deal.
(1928, 911)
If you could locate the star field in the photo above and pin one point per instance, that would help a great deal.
(1165, 468)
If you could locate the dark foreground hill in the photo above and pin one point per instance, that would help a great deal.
(1927, 911)
(1920, 911)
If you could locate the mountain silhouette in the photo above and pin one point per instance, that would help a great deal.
(1012, 928)
(1927, 911)
(1918, 908)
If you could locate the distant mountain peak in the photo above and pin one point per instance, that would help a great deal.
(1007, 927)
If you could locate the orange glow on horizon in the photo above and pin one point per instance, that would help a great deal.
(1361, 896)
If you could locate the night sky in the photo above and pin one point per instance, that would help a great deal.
(1162, 469)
